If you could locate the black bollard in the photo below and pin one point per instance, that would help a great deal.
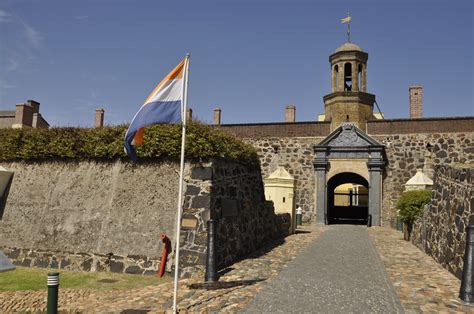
(53, 287)
(211, 271)
(369, 221)
(466, 292)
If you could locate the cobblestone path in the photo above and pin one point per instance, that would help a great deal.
(421, 283)
(339, 272)
(245, 279)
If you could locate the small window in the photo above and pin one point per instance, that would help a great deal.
(283, 200)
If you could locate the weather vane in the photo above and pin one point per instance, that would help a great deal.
(348, 21)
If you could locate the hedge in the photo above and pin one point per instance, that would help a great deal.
(411, 203)
(160, 142)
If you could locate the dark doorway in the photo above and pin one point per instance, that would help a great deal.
(348, 199)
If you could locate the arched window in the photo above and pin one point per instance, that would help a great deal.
(335, 78)
(359, 74)
(347, 77)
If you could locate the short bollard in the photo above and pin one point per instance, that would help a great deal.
(53, 287)
(299, 216)
(369, 221)
(211, 271)
(466, 292)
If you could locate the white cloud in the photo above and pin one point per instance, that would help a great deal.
(12, 65)
(4, 16)
(34, 37)
(81, 17)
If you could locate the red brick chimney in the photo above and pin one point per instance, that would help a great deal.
(416, 101)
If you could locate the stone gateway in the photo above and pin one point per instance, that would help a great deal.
(351, 165)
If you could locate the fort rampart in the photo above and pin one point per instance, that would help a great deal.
(441, 231)
(97, 216)
(409, 144)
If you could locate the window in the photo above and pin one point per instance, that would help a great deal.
(359, 73)
(347, 77)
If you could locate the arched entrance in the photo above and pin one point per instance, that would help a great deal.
(347, 199)
(348, 156)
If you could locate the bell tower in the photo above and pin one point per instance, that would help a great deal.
(349, 100)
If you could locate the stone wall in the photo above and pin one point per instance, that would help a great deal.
(233, 195)
(296, 155)
(421, 125)
(407, 152)
(278, 129)
(96, 216)
(290, 145)
(441, 232)
(77, 261)
(83, 215)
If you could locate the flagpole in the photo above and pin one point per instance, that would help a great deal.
(181, 175)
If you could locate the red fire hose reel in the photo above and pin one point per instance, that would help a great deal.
(164, 255)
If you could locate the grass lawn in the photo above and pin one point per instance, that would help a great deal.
(28, 278)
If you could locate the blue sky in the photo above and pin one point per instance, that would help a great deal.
(251, 58)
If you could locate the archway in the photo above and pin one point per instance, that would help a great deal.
(347, 199)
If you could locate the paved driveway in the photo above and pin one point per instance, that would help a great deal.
(339, 272)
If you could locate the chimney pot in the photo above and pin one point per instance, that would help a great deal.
(217, 116)
(290, 111)
(416, 101)
(99, 118)
(189, 114)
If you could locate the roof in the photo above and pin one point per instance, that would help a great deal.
(349, 47)
(7, 113)
(419, 179)
(280, 173)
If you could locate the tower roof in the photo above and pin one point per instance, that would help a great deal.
(349, 47)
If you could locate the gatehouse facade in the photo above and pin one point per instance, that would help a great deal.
(351, 165)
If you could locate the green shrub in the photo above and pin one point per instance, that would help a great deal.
(160, 142)
(411, 203)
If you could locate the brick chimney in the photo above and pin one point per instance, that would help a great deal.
(416, 101)
(217, 116)
(99, 118)
(34, 105)
(290, 111)
(189, 114)
(24, 115)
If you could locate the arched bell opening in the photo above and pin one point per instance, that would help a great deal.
(347, 199)
(335, 79)
(348, 77)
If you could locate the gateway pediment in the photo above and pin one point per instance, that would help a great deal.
(348, 135)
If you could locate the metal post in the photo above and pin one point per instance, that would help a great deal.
(466, 292)
(53, 287)
(299, 216)
(211, 271)
(369, 221)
